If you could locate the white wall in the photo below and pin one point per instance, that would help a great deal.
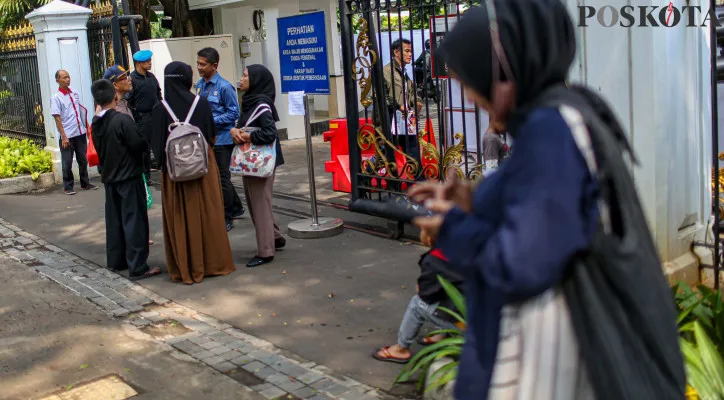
(656, 80)
(237, 20)
(185, 50)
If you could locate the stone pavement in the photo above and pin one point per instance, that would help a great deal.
(219, 345)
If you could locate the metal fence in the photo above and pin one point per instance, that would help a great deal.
(100, 40)
(21, 109)
(411, 126)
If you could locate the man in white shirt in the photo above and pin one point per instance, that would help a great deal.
(70, 120)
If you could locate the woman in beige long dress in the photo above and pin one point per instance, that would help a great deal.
(257, 82)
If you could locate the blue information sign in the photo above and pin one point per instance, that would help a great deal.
(303, 53)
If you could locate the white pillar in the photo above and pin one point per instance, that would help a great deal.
(62, 43)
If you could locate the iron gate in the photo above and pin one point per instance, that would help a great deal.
(100, 40)
(447, 129)
(21, 109)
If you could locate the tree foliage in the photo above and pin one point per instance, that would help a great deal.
(418, 18)
(13, 12)
(184, 23)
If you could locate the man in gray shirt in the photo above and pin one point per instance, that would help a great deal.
(494, 147)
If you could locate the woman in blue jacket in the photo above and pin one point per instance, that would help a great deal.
(555, 303)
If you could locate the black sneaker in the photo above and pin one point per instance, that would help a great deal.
(239, 214)
(69, 192)
(91, 187)
(280, 243)
(229, 226)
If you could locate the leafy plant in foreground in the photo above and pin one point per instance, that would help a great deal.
(701, 325)
(452, 347)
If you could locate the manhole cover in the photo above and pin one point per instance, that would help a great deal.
(108, 388)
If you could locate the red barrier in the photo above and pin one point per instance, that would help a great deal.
(338, 165)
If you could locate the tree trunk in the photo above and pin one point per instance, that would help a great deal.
(143, 8)
(178, 10)
(183, 22)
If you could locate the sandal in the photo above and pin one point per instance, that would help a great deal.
(426, 341)
(387, 356)
(151, 272)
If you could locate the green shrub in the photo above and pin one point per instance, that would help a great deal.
(23, 157)
(452, 347)
(701, 325)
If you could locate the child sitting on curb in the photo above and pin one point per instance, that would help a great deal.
(423, 307)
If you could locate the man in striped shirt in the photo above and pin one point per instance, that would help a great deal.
(71, 120)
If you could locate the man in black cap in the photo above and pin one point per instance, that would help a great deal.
(145, 95)
(122, 83)
(121, 80)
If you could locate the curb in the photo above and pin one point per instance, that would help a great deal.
(24, 183)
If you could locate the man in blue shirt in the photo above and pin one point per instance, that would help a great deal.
(221, 96)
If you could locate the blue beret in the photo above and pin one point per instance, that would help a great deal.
(143, 55)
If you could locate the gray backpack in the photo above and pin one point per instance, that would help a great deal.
(187, 152)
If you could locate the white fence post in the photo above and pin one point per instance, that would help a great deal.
(62, 43)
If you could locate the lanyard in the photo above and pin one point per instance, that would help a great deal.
(77, 117)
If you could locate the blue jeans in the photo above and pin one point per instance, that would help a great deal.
(418, 312)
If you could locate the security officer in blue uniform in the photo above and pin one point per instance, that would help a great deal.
(145, 95)
(221, 96)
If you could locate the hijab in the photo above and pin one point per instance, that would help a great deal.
(177, 80)
(537, 38)
(261, 90)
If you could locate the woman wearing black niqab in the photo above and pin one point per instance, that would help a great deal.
(194, 232)
(257, 82)
(560, 304)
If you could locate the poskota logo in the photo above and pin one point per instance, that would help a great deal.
(668, 16)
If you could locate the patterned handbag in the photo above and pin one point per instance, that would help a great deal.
(253, 160)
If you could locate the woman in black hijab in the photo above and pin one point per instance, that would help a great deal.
(566, 297)
(194, 231)
(258, 86)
